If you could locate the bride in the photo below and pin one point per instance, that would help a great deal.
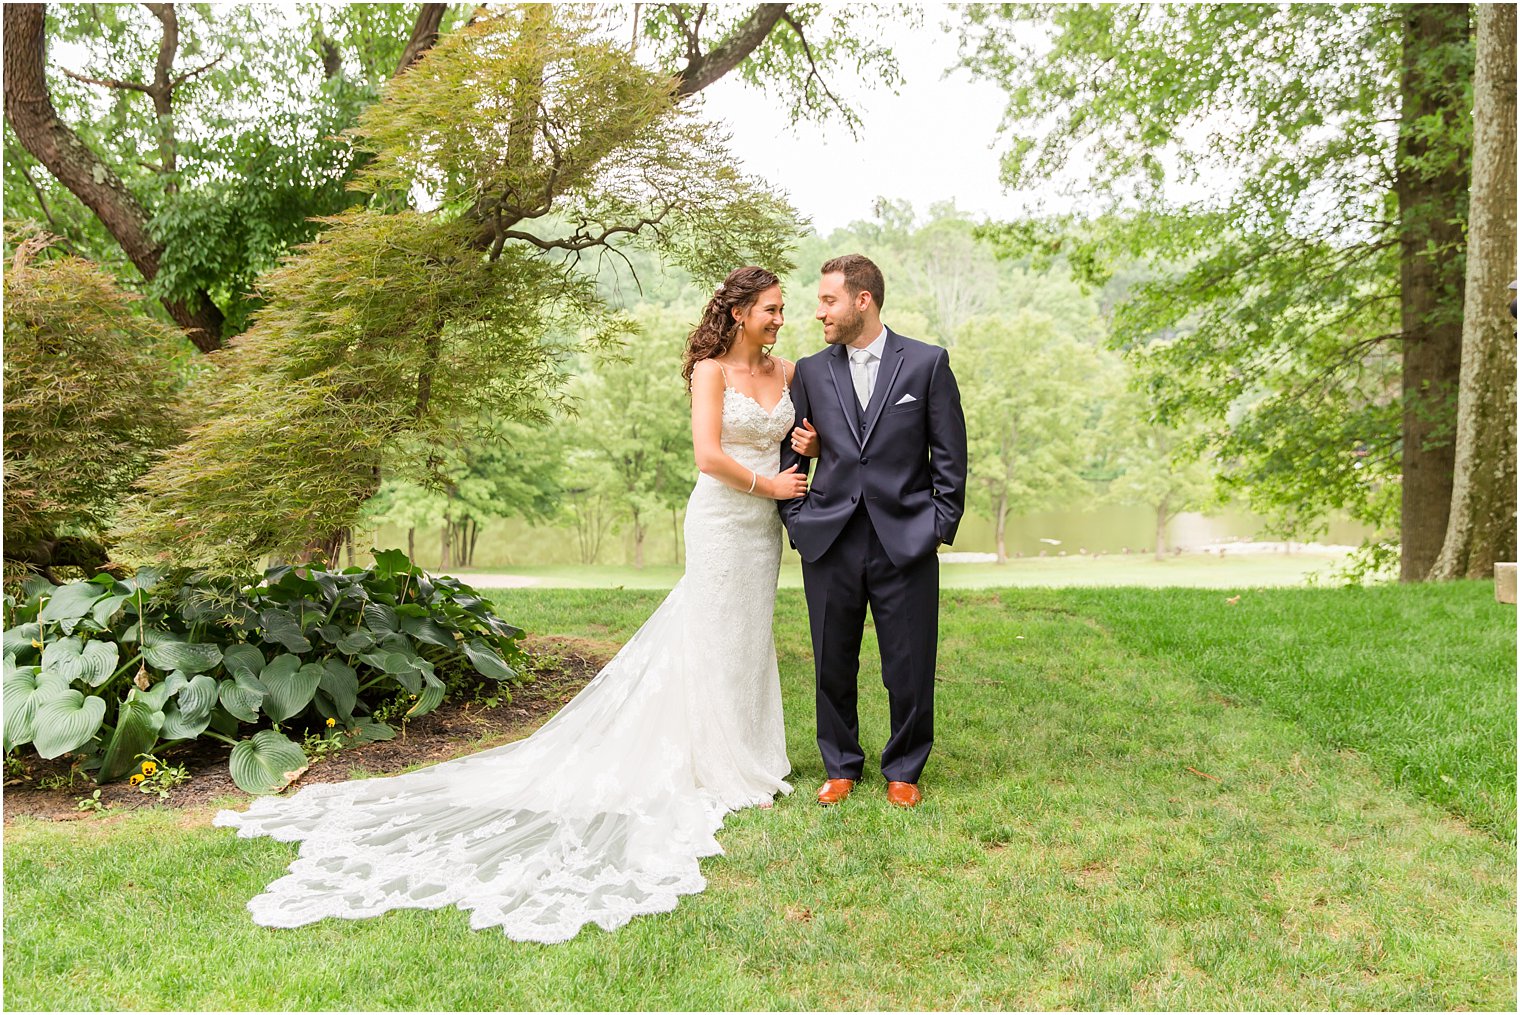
(604, 812)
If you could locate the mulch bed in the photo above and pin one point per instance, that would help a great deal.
(563, 667)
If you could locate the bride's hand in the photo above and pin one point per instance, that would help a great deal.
(805, 440)
(786, 485)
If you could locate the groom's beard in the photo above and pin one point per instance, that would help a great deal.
(846, 329)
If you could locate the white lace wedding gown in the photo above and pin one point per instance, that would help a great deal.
(604, 812)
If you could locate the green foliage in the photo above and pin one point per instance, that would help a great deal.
(394, 337)
(256, 133)
(89, 395)
(302, 646)
(530, 110)
(1156, 466)
(633, 429)
(376, 342)
(1246, 152)
(1032, 393)
(515, 470)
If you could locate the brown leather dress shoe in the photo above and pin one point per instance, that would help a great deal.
(835, 790)
(903, 794)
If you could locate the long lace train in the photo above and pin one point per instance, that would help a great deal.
(605, 812)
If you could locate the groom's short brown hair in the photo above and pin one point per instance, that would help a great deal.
(860, 275)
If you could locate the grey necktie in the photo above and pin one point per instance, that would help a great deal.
(861, 360)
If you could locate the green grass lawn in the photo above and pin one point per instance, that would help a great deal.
(1137, 800)
(1199, 570)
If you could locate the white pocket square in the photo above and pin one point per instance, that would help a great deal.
(904, 400)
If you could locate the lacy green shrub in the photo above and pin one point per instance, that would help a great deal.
(89, 398)
(113, 670)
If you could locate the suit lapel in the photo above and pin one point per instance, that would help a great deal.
(839, 372)
(886, 376)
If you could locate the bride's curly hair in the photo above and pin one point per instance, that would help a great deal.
(714, 335)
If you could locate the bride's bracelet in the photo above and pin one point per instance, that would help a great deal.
(753, 479)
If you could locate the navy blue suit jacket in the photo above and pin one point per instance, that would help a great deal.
(904, 455)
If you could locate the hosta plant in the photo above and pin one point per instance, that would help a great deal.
(113, 669)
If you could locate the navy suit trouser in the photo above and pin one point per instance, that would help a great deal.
(856, 573)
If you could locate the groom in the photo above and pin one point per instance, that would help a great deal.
(889, 489)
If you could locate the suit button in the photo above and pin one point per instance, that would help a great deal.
(854, 497)
(863, 461)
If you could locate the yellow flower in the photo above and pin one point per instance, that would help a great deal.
(149, 768)
(331, 723)
(36, 643)
(136, 779)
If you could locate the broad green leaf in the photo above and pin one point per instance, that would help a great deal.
(243, 658)
(429, 630)
(371, 732)
(165, 650)
(146, 579)
(240, 699)
(137, 726)
(391, 562)
(341, 685)
(25, 689)
(381, 619)
(69, 604)
(290, 684)
(35, 586)
(103, 611)
(223, 721)
(197, 697)
(157, 696)
(486, 662)
(430, 698)
(18, 640)
(281, 627)
(178, 726)
(355, 641)
(92, 662)
(67, 721)
(267, 763)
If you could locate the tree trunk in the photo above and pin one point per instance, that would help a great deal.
(1000, 513)
(1430, 279)
(444, 561)
(29, 109)
(639, 531)
(1481, 528)
(474, 539)
(424, 35)
(675, 527)
(1161, 518)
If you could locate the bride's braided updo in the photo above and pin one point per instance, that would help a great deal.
(714, 335)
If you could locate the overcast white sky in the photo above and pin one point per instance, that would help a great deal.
(929, 143)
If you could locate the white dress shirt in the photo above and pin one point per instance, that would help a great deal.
(864, 365)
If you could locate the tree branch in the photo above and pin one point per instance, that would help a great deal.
(702, 69)
(584, 241)
(424, 35)
(135, 86)
(813, 74)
